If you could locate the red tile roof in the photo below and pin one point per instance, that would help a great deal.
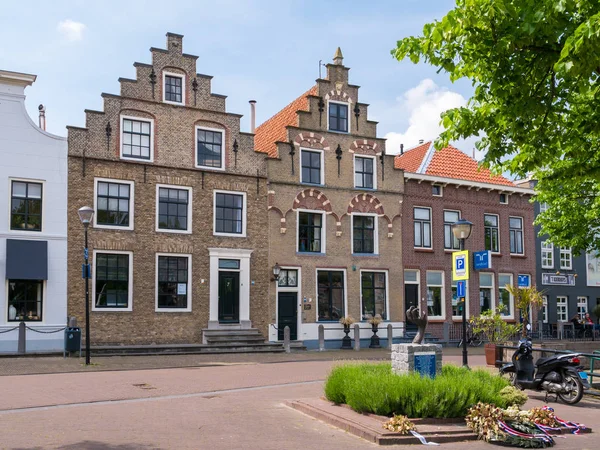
(410, 160)
(274, 129)
(448, 162)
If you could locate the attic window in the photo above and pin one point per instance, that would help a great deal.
(436, 190)
(504, 199)
(173, 88)
(338, 117)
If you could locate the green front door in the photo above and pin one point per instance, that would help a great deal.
(229, 297)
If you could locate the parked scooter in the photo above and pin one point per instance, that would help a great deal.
(558, 374)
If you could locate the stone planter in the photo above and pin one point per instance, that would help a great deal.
(374, 338)
(346, 341)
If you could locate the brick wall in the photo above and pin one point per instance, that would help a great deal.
(473, 203)
(92, 153)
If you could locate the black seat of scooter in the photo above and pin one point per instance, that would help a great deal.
(541, 361)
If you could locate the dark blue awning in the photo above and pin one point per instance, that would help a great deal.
(26, 260)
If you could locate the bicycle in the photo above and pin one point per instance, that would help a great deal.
(473, 339)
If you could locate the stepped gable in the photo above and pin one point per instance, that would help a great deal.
(274, 129)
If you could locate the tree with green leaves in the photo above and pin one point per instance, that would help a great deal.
(535, 69)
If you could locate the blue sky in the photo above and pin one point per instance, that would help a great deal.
(263, 50)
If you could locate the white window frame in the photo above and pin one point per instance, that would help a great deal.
(323, 231)
(547, 248)
(130, 281)
(131, 203)
(189, 283)
(443, 291)
(511, 299)
(452, 285)
(497, 227)
(492, 288)
(387, 291)
(441, 194)
(543, 207)
(9, 201)
(374, 171)
(244, 215)
(329, 269)
(322, 157)
(566, 252)
(122, 117)
(582, 307)
(522, 234)
(223, 148)
(375, 234)
(544, 309)
(430, 227)
(183, 87)
(562, 300)
(505, 197)
(5, 320)
(189, 211)
(452, 249)
(348, 104)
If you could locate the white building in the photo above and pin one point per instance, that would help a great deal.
(33, 223)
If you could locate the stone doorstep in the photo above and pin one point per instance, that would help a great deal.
(369, 426)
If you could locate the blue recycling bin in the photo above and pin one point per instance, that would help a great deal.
(72, 339)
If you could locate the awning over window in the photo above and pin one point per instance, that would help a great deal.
(26, 260)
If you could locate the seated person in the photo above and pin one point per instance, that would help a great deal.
(577, 326)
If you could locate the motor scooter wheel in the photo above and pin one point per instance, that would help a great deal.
(574, 389)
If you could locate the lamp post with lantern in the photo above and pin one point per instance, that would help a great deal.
(85, 215)
(462, 230)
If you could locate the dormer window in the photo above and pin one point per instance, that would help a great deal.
(173, 88)
(338, 117)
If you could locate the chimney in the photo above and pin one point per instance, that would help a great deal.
(402, 149)
(338, 58)
(42, 118)
(252, 115)
(421, 141)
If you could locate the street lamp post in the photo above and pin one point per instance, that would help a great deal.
(85, 215)
(462, 230)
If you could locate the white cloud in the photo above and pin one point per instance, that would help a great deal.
(71, 30)
(423, 104)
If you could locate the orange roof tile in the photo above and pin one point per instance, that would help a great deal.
(410, 160)
(448, 162)
(274, 129)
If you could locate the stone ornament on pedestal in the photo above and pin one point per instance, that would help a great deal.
(426, 359)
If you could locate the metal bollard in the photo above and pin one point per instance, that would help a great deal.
(22, 345)
(446, 332)
(356, 337)
(321, 338)
(286, 339)
(390, 335)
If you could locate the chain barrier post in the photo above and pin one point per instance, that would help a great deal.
(356, 337)
(390, 334)
(22, 346)
(321, 338)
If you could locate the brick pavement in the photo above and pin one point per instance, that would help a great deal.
(239, 405)
(56, 364)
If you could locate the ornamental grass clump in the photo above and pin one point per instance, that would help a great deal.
(374, 388)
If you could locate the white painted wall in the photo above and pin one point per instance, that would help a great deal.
(28, 152)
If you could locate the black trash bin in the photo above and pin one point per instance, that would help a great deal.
(72, 339)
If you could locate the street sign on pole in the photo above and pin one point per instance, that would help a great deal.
(461, 291)
(460, 265)
(482, 260)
